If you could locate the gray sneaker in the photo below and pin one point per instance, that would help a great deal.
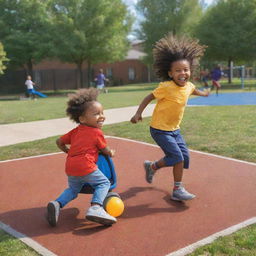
(149, 171)
(53, 211)
(181, 194)
(97, 214)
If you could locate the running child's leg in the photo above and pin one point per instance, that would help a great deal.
(179, 192)
(101, 186)
(53, 208)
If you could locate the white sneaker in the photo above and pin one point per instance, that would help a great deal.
(96, 213)
(53, 211)
(181, 194)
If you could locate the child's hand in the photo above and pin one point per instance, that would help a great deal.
(207, 92)
(136, 118)
(112, 152)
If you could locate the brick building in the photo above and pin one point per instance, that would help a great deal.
(56, 75)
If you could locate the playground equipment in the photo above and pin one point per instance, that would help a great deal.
(106, 165)
(33, 91)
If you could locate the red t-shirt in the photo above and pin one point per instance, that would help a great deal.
(85, 143)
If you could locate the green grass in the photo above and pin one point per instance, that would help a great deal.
(224, 130)
(16, 111)
(241, 243)
(10, 246)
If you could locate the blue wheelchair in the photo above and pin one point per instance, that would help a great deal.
(106, 165)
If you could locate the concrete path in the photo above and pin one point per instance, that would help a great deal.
(29, 131)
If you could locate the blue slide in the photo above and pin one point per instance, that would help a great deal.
(38, 94)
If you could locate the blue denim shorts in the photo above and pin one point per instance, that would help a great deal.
(173, 145)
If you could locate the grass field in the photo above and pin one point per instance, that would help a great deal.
(16, 111)
(228, 131)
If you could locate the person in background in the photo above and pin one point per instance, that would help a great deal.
(100, 80)
(30, 87)
(216, 76)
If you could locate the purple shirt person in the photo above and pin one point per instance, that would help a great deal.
(100, 80)
(216, 76)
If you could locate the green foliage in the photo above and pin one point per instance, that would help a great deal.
(163, 16)
(23, 31)
(73, 31)
(229, 30)
(90, 31)
(2, 59)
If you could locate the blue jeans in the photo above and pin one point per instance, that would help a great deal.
(96, 179)
(173, 145)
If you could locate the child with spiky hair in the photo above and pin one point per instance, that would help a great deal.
(174, 59)
(85, 141)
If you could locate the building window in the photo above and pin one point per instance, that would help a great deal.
(131, 73)
(109, 72)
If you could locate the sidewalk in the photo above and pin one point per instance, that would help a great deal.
(29, 131)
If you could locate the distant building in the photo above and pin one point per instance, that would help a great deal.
(57, 75)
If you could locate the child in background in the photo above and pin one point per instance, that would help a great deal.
(100, 81)
(85, 141)
(30, 87)
(174, 58)
(216, 76)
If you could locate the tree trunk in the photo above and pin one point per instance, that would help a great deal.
(29, 68)
(80, 74)
(89, 77)
(230, 74)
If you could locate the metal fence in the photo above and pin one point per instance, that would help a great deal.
(53, 79)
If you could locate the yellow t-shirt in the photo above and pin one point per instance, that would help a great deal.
(170, 106)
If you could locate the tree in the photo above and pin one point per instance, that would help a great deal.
(229, 30)
(163, 16)
(23, 31)
(90, 31)
(2, 59)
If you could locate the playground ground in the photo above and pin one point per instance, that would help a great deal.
(151, 225)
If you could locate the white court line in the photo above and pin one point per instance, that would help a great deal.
(29, 157)
(182, 252)
(196, 151)
(139, 142)
(26, 240)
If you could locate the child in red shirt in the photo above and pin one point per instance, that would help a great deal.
(85, 141)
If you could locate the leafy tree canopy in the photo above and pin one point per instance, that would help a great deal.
(90, 30)
(163, 16)
(23, 30)
(2, 59)
(229, 30)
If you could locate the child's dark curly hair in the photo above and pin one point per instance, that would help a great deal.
(78, 102)
(173, 48)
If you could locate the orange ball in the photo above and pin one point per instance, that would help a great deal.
(114, 206)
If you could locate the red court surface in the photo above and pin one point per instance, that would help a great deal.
(152, 224)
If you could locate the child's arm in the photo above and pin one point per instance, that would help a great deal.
(107, 151)
(62, 146)
(137, 117)
(201, 93)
